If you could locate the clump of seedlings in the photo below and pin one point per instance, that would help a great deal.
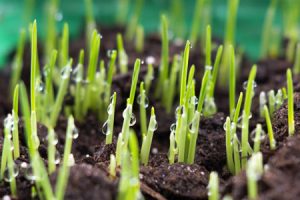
(90, 87)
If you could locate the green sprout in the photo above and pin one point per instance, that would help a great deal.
(112, 166)
(208, 46)
(133, 21)
(270, 129)
(49, 95)
(296, 68)
(257, 138)
(196, 120)
(232, 81)
(33, 138)
(262, 103)
(51, 150)
(68, 160)
(17, 64)
(271, 99)
(91, 71)
(172, 84)
(90, 21)
(110, 73)
(149, 77)
(25, 109)
(11, 171)
(64, 45)
(229, 38)
(164, 67)
(62, 90)
(267, 28)
(110, 120)
(15, 130)
(147, 139)
(172, 150)
(127, 114)
(143, 104)
(290, 89)
(213, 186)
(122, 56)
(254, 171)
(196, 21)
(78, 87)
(129, 185)
(246, 114)
(122, 11)
(51, 28)
(139, 42)
(229, 151)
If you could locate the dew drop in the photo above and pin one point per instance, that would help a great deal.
(132, 120)
(39, 86)
(29, 173)
(146, 100)
(105, 128)
(245, 84)
(179, 110)
(57, 157)
(173, 127)
(154, 127)
(150, 60)
(142, 62)
(71, 160)
(7, 175)
(208, 67)
(109, 53)
(261, 138)
(46, 71)
(75, 133)
(65, 72)
(75, 76)
(110, 109)
(59, 16)
(154, 151)
(193, 100)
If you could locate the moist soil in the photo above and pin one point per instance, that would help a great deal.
(160, 180)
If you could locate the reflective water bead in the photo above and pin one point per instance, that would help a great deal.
(65, 72)
(150, 60)
(193, 100)
(146, 100)
(57, 157)
(71, 160)
(7, 173)
(245, 84)
(132, 120)
(59, 16)
(75, 133)
(173, 127)
(154, 128)
(29, 174)
(208, 67)
(261, 138)
(75, 76)
(105, 128)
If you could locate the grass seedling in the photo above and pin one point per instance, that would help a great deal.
(63, 87)
(25, 109)
(134, 18)
(64, 47)
(246, 114)
(147, 139)
(51, 28)
(127, 113)
(143, 101)
(262, 103)
(67, 161)
(291, 121)
(296, 68)
(49, 95)
(17, 64)
(78, 86)
(51, 150)
(208, 46)
(254, 171)
(10, 175)
(229, 139)
(139, 39)
(267, 28)
(89, 20)
(112, 166)
(196, 21)
(172, 149)
(257, 138)
(213, 186)
(129, 185)
(149, 77)
(232, 82)
(271, 99)
(236, 154)
(228, 39)
(33, 124)
(110, 120)
(270, 129)
(172, 84)
(110, 73)
(122, 56)
(196, 120)
(164, 67)
(122, 11)
(15, 130)
(91, 71)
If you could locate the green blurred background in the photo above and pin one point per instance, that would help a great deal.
(251, 15)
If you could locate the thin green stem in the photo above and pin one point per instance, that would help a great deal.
(270, 129)
(143, 116)
(229, 152)
(122, 56)
(213, 186)
(111, 118)
(232, 82)
(291, 121)
(16, 121)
